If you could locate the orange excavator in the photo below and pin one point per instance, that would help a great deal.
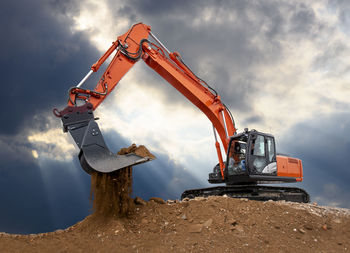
(251, 161)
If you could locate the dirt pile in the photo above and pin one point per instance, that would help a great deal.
(138, 150)
(111, 192)
(214, 224)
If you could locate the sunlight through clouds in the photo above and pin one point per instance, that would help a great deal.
(52, 144)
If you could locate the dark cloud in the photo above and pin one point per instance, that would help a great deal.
(39, 197)
(40, 59)
(331, 60)
(342, 8)
(225, 42)
(253, 120)
(302, 20)
(163, 178)
(323, 144)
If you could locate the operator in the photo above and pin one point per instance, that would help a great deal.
(237, 165)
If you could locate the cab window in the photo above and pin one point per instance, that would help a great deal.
(271, 148)
(258, 147)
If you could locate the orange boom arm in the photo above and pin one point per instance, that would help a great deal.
(134, 45)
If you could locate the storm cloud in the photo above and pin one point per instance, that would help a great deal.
(323, 144)
(40, 59)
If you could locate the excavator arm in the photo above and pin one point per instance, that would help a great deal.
(130, 48)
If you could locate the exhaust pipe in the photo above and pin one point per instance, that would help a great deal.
(94, 154)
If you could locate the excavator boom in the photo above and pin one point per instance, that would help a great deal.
(130, 48)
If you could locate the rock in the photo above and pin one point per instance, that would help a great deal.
(314, 204)
(140, 201)
(239, 228)
(157, 200)
(144, 221)
(308, 227)
(185, 204)
(184, 217)
(208, 223)
(232, 222)
(324, 227)
(195, 228)
(244, 199)
(338, 221)
(302, 231)
(186, 199)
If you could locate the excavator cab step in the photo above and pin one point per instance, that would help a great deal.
(94, 155)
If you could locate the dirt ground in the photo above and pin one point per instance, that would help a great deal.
(214, 224)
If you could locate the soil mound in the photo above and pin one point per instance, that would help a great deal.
(214, 224)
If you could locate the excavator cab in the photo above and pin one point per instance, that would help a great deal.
(251, 158)
(261, 154)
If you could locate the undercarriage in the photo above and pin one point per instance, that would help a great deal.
(252, 192)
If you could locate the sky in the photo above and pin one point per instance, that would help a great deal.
(280, 66)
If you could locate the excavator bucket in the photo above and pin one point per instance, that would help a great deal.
(94, 154)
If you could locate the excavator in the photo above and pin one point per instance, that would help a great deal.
(251, 162)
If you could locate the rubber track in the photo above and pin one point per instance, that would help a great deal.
(252, 192)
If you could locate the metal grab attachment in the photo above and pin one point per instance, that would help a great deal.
(94, 154)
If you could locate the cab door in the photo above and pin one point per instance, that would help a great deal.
(262, 154)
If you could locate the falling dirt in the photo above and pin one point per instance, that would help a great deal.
(111, 192)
